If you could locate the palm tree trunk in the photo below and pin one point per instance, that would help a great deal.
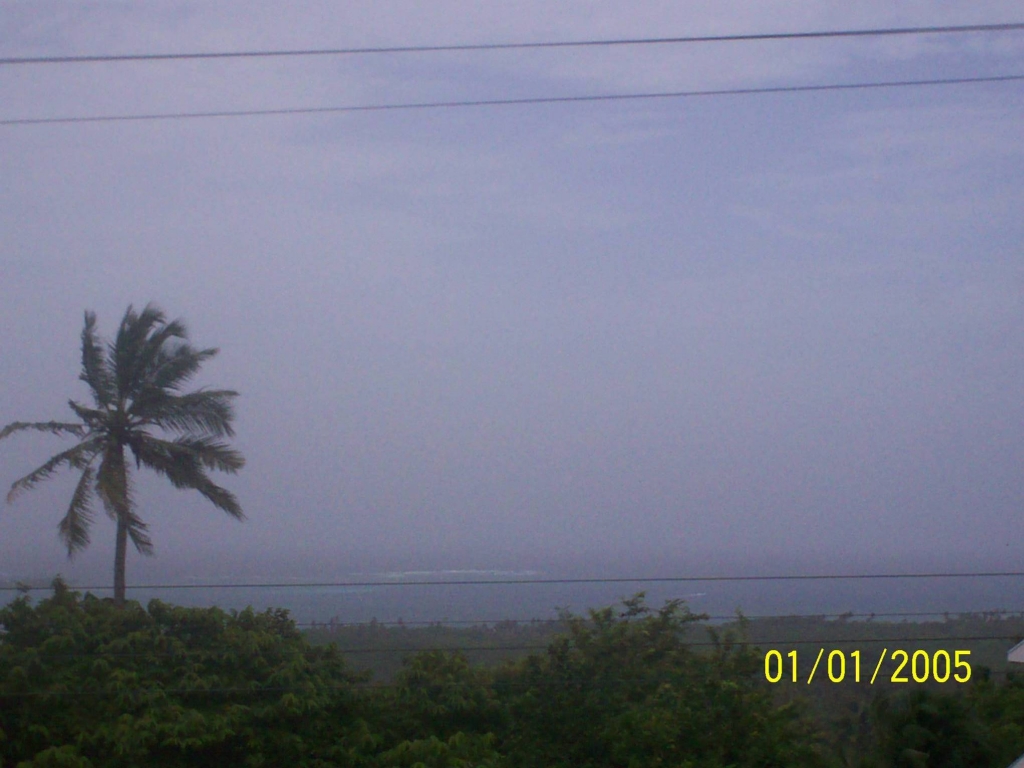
(120, 553)
(115, 493)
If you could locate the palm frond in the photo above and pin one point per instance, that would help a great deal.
(177, 463)
(221, 498)
(197, 451)
(95, 371)
(78, 457)
(176, 367)
(137, 533)
(93, 417)
(204, 412)
(182, 462)
(175, 329)
(129, 344)
(163, 342)
(74, 527)
(214, 454)
(144, 356)
(53, 427)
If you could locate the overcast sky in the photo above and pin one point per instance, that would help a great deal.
(745, 332)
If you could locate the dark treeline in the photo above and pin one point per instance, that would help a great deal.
(83, 683)
(381, 648)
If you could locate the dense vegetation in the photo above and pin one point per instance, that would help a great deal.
(83, 683)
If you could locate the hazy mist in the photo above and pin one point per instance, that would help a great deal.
(771, 333)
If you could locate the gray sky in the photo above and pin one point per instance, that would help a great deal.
(726, 333)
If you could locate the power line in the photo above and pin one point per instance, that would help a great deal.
(511, 102)
(527, 623)
(596, 580)
(836, 33)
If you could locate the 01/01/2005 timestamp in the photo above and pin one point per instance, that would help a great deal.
(910, 666)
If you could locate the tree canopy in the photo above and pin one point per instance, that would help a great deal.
(84, 684)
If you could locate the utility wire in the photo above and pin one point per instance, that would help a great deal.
(526, 623)
(492, 582)
(836, 33)
(511, 102)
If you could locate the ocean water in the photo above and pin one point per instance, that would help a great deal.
(390, 596)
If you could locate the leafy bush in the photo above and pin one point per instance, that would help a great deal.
(85, 683)
(625, 689)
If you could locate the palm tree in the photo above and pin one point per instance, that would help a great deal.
(136, 385)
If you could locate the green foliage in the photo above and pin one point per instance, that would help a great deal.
(928, 729)
(459, 751)
(81, 680)
(624, 688)
(383, 649)
(57, 757)
(1000, 707)
(84, 684)
(440, 693)
(982, 727)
